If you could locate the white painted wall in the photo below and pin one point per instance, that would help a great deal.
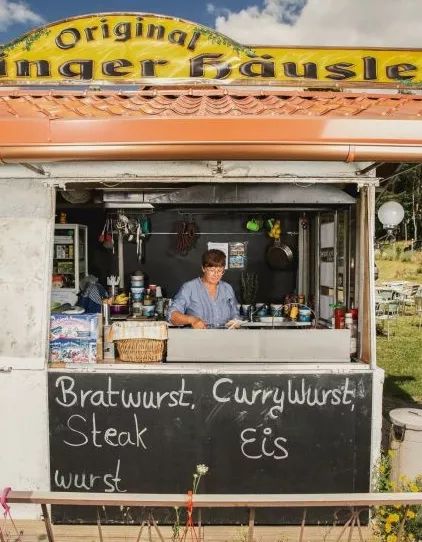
(26, 227)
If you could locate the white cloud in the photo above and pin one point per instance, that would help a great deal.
(17, 12)
(382, 23)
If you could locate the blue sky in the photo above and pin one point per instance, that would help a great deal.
(379, 23)
(194, 10)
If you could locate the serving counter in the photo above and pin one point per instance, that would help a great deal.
(260, 427)
(259, 345)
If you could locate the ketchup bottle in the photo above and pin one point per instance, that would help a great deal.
(339, 317)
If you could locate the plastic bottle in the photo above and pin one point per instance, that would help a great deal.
(351, 323)
(148, 298)
(339, 317)
(159, 303)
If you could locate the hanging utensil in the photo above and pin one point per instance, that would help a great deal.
(108, 238)
(139, 241)
(102, 234)
(279, 256)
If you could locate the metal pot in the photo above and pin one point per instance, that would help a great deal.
(279, 256)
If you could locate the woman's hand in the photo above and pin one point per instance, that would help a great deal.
(233, 324)
(197, 323)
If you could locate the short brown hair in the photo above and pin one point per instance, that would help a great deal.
(213, 258)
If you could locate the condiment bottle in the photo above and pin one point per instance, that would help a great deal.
(294, 312)
(148, 298)
(348, 320)
(352, 324)
(339, 317)
(159, 303)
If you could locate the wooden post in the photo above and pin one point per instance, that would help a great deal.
(302, 525)
(359, 527)
(100, 532)
(48, 527)
(352, 525)
(200, 529)
(401, 527)
(251, 524)
(157, 530)
(140, 531)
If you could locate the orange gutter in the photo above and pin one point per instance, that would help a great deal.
(202, 138)
(211, 151)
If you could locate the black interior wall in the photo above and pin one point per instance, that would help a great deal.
(164, 266)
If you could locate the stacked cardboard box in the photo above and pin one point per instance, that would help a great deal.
(74, 338)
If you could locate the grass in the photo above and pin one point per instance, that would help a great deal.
(394, 263)
(401, 358)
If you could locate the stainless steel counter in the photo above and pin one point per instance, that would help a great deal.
(259, 345)
(276, 325)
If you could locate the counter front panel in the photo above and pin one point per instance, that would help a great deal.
(268, 433)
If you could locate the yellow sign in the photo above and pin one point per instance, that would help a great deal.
(124, 48)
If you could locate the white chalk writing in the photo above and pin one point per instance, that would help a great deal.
(298, 392)
(109, 482)
(256, 446)
(81, 426)
(68, 396)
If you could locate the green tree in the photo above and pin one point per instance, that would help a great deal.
(405, 186)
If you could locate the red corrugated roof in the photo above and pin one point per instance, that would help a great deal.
(65, 104)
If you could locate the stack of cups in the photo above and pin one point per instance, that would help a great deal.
(137, 289)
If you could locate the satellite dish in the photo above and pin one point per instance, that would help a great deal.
(76, 196)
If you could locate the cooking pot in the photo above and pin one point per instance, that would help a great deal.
(279, 256)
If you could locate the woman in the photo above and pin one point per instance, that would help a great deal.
(206, 301)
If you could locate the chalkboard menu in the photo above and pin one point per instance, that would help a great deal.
(267, 433)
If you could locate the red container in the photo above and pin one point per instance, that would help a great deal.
(354, 313)
(339, 317)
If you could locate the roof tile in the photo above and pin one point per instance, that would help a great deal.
(67, 104)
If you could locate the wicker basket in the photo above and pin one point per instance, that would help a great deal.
(141, 350)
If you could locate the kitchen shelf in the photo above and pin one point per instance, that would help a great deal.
(70, 239)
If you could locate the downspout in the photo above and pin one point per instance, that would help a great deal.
(371, 264)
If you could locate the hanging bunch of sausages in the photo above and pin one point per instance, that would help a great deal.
(187, 234)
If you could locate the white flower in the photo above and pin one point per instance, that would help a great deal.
(201, 469)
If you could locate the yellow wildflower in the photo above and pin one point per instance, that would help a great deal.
(382, 469)
(391, 538)
(393, 518)
(414, 488)
(398, 506)
(410, 514)
(387, 527)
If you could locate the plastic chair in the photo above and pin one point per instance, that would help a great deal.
(410, 294)
(418, 306)
(388, 311)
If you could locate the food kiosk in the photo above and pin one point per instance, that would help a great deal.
(195, 125)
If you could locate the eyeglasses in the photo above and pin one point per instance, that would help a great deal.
(215, 270)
